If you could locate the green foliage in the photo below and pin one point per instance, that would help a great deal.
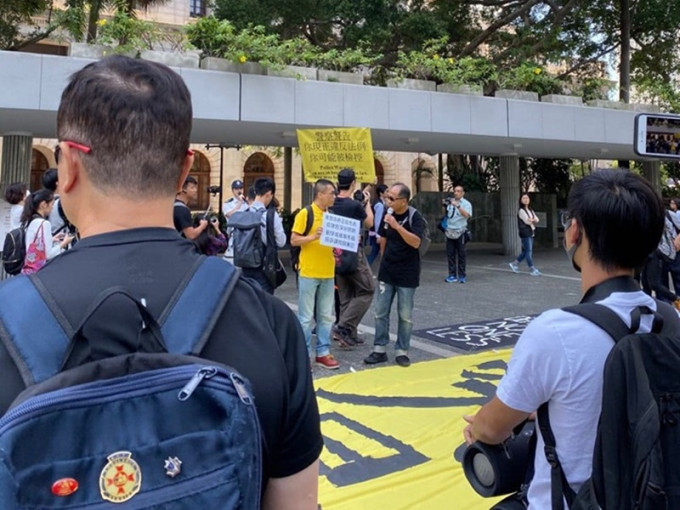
(14, 14)
(547, 176)
(531, 77)
(127, 34)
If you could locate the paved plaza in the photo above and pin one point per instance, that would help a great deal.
(492, 292)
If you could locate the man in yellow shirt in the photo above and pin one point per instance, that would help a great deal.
(317, 275)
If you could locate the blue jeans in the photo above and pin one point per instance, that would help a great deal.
(383, 304)
(527, 251)
(321, 291)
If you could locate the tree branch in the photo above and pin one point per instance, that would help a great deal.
(588, 61)
(37, 37)
(483, 36)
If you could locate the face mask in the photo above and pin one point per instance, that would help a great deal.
(571, 252)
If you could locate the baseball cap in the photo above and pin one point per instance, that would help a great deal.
(238, 183)
(346, 176)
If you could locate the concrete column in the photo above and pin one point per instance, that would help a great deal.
(16, 159)
(651, 170)
(287, 178)
(509, 183)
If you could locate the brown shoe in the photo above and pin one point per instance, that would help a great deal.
(327, 361)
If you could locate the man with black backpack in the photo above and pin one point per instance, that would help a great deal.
(147, 365)
(250, 233)
(605, 442)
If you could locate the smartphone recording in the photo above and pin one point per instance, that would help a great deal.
(657, 135)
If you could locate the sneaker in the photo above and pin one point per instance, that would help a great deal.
(403, 361)
(341, 335)
(375, 357)
(461, 280)
(535, 272)
(514, 267)
(451, 279)
(327, 361)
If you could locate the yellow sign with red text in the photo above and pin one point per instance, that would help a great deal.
(327, 151)
(391, 434)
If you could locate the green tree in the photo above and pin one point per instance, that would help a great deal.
(17, 13)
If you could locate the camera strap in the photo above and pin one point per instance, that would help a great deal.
(559, 486)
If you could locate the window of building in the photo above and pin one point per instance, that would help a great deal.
(197, 8)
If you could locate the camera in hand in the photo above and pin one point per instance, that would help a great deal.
(494, 470)
(359, 196)
(214, 190)
(446, 202)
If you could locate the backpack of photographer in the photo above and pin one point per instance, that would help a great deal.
(247, 238)
(636, 460)
(145, 421)
(14, 251)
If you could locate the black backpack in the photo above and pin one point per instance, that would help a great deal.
(14, 251)
(295, 250)
(636, 460)
(247, 238)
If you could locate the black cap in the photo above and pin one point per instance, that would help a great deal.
(346, 176)
(237, 184)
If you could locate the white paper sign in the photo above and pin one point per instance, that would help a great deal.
(340, 232)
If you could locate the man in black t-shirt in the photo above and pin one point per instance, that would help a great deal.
(399, 274)
(355, 289)
(181, 215)
(124, 127)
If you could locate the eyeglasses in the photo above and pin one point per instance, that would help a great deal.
(73, 145)
(565, 219)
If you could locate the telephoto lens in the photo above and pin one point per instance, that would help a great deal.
(494, 470)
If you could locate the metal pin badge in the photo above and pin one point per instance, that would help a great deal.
(173, 466)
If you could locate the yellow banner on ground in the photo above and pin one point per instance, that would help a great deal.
(390, 434)
(326, 151)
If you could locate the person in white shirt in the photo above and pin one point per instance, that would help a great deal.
(236, 203)
(15, 195)
(40, 244)
(559, 358)
(264, 194)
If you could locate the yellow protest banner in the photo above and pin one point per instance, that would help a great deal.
(390, 434)
(326, 151)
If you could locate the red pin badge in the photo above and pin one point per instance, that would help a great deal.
(64, 487)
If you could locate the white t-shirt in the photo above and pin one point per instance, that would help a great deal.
(560, 358)
(15, 216)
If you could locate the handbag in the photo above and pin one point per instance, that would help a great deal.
(36, 255)
(346, 261)
(443, 223)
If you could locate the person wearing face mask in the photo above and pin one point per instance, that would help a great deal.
(614, 220)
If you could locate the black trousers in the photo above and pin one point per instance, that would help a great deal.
(455, 253)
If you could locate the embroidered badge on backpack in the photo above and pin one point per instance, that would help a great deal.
(121, 478)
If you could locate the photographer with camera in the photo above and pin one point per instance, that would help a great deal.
(181, 214)
(233, 205)
(458, 212)
(356, 287)
(560, 356)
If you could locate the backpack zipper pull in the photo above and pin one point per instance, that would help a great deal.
(190, 387)
(240, 387)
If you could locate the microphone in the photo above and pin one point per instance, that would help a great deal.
(389, 211)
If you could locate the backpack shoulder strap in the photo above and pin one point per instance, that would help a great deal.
(189, 318)
(34, 337)
(605, 318)
(310, 219)
(37, 335)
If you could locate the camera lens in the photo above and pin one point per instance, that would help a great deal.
(483, 470)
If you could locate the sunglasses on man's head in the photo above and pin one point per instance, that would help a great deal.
(73, 145)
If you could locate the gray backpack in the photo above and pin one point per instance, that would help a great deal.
(247, 239)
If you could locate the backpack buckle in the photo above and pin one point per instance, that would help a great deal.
(551, 456)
